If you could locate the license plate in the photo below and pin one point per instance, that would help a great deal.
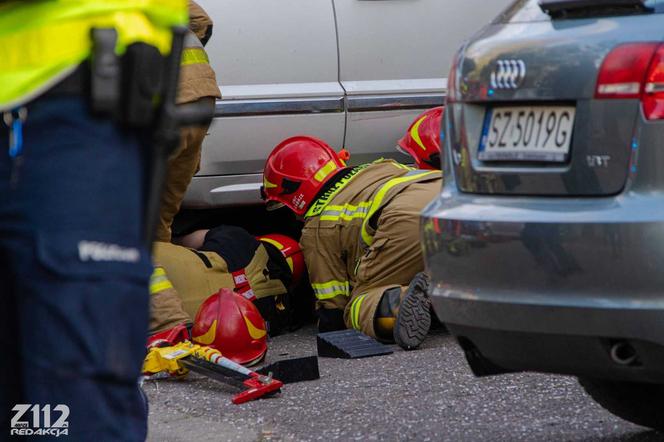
(527, 133)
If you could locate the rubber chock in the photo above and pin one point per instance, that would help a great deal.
(349, 344)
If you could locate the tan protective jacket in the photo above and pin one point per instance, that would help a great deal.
(197, 79)
(340, 225)
(190, 276)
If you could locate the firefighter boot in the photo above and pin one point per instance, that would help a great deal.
(405, 316)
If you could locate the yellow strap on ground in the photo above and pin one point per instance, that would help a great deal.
(331, 289)
(194, 56)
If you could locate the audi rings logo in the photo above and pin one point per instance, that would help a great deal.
(508, 74)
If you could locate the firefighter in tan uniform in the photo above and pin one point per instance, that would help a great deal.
(197, 83)
(361, 237)
(227, 257)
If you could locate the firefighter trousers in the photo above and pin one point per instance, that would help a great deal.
(182, 166)
(393, 258)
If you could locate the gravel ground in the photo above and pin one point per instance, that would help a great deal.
(427, 395)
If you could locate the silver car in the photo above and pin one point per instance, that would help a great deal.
(546, 246)
(352, 72)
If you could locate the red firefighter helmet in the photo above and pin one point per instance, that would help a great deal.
(422, 141)
(297, 169)
(231, 324)
(291, 251)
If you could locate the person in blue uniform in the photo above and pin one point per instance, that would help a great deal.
(74, 262)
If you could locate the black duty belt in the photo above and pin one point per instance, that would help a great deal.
(74, 84)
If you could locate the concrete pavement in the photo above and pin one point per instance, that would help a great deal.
(428, 394)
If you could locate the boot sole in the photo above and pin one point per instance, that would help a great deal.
(414, 318)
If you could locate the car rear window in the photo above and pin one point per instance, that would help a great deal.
(530, 11)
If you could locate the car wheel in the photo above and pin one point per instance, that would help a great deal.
(637, 402)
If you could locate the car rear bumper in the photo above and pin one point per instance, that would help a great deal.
(551, 284)
(494, 350)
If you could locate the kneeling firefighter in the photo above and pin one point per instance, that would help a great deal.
(260, 272)
(360, 238)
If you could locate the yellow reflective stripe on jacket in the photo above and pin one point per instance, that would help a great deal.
(41, 42)
(194, 56)
(159, 281)
(346, 212)
(194, 52)
(331, 289)
(319, 205)
(413, 175)
(355, 311)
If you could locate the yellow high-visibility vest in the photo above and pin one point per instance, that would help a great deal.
(41, 42)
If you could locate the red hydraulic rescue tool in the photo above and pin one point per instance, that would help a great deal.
(173, 353)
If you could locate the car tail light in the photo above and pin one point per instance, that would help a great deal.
(653, 90)
(623, 71)
(635, 70)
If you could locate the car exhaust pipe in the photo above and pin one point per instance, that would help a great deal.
(622, 353)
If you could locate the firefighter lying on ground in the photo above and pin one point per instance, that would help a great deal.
(260, 271)
(360, 238)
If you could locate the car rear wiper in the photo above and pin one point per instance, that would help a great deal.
(592, 8)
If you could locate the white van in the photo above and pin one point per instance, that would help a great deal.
(352, 72)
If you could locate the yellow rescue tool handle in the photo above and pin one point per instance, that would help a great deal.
(166, 359)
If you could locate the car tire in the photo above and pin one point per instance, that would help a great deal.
(637, 402)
